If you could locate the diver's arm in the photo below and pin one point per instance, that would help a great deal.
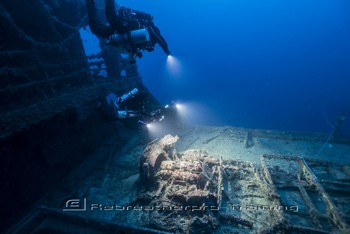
(96, 26)
(156, 37)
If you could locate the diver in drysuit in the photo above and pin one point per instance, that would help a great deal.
(127, 106)
(131, 105)
(130, 30)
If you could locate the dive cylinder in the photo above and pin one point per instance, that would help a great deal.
(128, 95)
(123, 114)
(134, 37)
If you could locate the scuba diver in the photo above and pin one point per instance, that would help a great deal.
(129, 30)
(131, 105)
(126, 106)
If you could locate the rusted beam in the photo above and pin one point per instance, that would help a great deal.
(240, 133)
(220, 188)
(312, 209)
(331, 208)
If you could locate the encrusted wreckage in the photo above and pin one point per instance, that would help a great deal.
(194, 192)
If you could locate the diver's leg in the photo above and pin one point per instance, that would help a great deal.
(120, 23)
(96, 26)
(111, 15)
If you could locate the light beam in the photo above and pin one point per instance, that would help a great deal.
(173, 65)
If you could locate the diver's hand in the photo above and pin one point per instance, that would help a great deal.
(167, 52)
(165, 48)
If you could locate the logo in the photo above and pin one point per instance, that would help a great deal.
(81, 205)
(75, 205)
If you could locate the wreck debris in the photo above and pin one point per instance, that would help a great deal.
(331, 208)
(156, 152)
(311, 207)
(220, 188)
(207, 192)
(308, 183)
(196, 192)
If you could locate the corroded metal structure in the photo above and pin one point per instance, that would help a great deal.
(195, 192)
(320, 188)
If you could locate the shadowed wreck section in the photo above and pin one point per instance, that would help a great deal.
(50, 89)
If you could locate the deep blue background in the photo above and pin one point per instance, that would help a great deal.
(254, 63)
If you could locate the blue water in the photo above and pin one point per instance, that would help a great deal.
(268, 64)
